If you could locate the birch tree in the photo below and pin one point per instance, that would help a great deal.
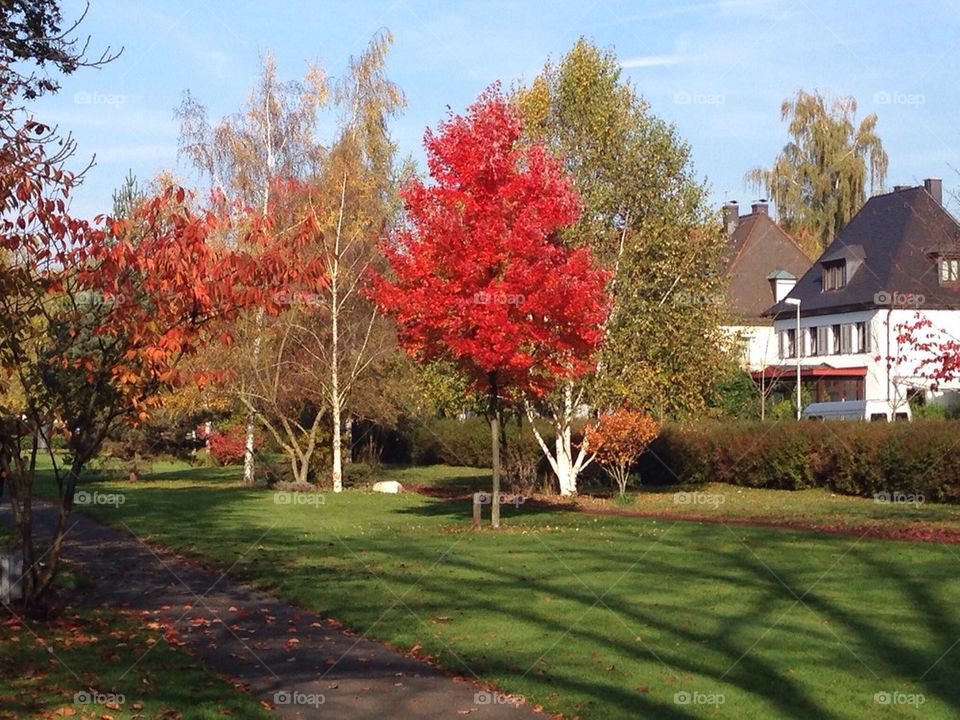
(355, 186)
(327, 338)
(647, 221)
(273, 136)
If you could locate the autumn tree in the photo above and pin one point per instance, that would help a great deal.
(479, 275)
(922, 355)
(618, 439)
(94, 323)
(276, 385)
(245, 155)
(327, 339)
(354, 185)
(820, 179)
(648, 222)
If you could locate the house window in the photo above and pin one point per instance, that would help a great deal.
(863, 338)
(835, 338)
(823, 339)
(834, 275)
(788, 344)
(812, 341)
(949, 270)
(840, 389)
(846, 339)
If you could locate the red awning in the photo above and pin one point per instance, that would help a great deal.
(809, 371)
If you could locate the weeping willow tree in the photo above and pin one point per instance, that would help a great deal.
(821, 177)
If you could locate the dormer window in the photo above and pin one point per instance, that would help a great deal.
(949, 270)
(834, 275)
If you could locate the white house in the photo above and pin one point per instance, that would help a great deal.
(896, 261)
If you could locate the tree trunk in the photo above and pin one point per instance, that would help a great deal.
(336, 401)
(248, 446)
(37, 576)
(348, 441)
(303, 475)
(565, 464)
(566, 474)
(335, 398)
(248, 466)
(495, 500)
(337, 459)
(495, 441)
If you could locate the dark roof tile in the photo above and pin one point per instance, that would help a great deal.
(757, 249)
(891, 241)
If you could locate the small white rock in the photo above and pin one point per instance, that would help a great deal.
(388, 486)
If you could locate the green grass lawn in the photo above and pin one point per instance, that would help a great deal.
(814, 506)
(597, 617)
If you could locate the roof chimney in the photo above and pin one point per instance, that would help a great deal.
(934, 186)
(760, 207)
(900, 188)
(731, 216)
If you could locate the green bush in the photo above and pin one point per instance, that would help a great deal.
(853, 458)
(450, 441)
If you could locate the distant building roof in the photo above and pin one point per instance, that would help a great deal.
(890, 246)
(759, 251)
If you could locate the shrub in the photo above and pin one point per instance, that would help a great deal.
(227, 445)
(450, 441)
(618, 439)
(853, 458)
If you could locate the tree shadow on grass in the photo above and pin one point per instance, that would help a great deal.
(723, 610)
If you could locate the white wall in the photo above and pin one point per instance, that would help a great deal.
(758, 343)
(880, 383)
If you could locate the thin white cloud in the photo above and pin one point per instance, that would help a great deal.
(645, 61)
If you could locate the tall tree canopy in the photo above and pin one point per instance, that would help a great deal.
(821, 177)
(480, 275)
(647, 219)
(330, 343)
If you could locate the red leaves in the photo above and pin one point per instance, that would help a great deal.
(480, 274)
(925, 351)
(227, 446)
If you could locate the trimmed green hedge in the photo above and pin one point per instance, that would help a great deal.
(450, 441)
(853, 458)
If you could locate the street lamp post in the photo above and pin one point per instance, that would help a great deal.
(797, 344)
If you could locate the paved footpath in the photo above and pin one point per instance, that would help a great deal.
(265, 644)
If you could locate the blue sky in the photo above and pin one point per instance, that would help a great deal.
(719, 69)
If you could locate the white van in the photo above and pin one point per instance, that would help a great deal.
(857, 410)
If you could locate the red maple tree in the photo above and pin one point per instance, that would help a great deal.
(479, 273)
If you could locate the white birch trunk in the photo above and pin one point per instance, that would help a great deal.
(336, 400)
(566, 465)
(249, 469)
